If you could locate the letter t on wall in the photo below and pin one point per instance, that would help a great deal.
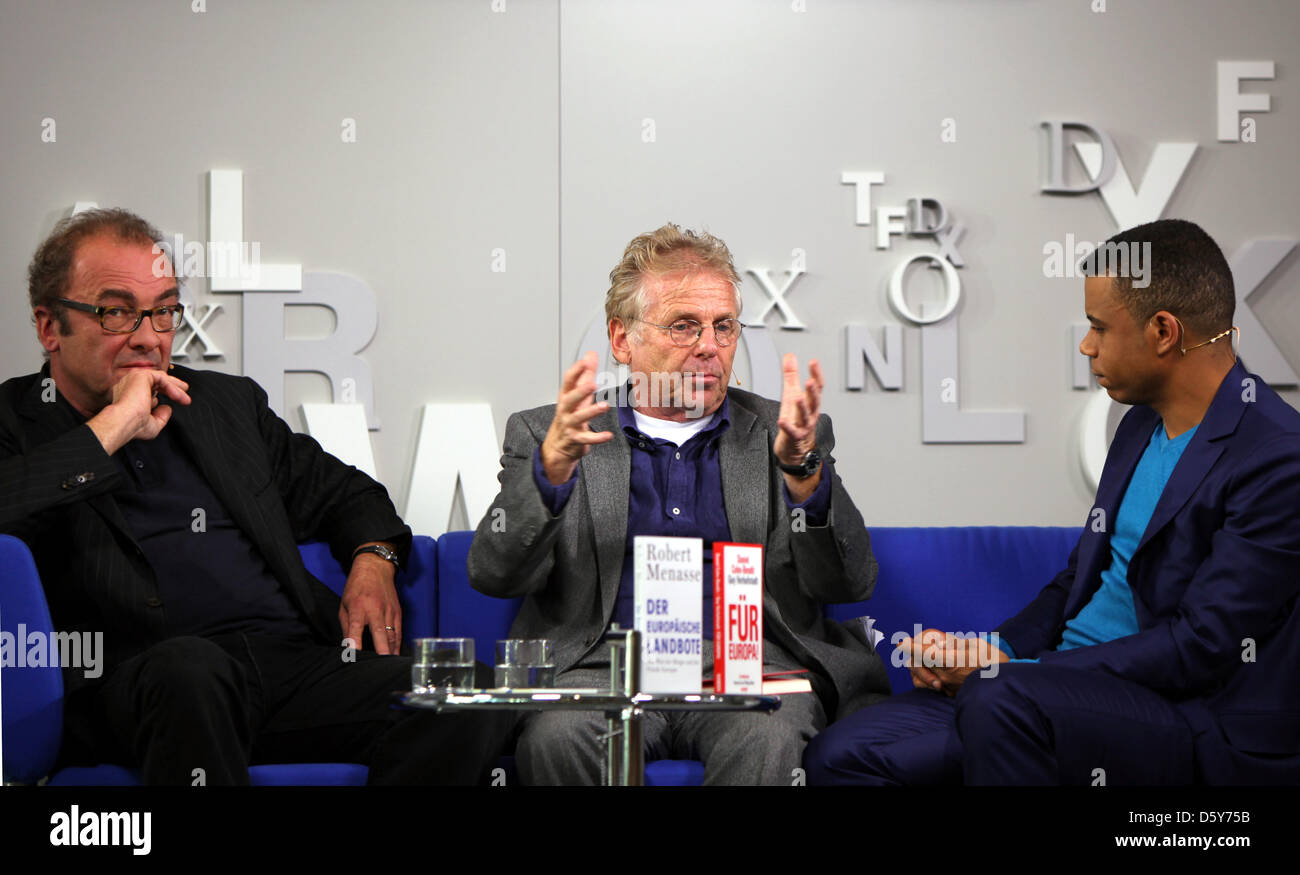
(862, 182)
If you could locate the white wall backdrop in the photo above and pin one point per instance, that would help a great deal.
(480, 166)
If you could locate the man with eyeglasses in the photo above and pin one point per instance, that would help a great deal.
(1168, 650)
(684, 456)
(163, 507)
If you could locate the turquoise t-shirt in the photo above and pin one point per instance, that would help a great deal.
(1110, 614)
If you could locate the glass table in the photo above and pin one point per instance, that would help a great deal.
(623, 708)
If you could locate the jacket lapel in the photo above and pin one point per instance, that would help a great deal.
(196, 429)
(743, 457)
(1095, 552)
(1201, 453)
(606, 472)
(191, 425)
(747, 478)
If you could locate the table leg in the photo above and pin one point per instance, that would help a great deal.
(624, 738)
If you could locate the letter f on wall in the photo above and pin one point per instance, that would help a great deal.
(1232, 101)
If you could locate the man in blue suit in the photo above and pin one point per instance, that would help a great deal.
(1168, 650)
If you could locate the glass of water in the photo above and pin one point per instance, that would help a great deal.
(442, 663)
(525, 663)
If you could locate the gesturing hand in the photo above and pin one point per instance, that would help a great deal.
(570, 436)
(800, 407)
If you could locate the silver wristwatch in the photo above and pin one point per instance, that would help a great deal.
(379, 550)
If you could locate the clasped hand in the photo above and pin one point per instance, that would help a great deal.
(942, 661)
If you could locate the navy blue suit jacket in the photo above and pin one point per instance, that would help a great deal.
(1215, 580)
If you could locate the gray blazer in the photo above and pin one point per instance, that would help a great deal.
(568, 566)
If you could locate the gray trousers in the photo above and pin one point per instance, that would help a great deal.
(565, 747)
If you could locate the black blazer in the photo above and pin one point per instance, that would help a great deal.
(56, 493)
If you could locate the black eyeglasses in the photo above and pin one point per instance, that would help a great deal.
(687, 332)
(125, 320)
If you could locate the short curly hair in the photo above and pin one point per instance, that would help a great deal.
(50, 272)
(1189, 275)
(664, 250)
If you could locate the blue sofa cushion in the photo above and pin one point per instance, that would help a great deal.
(416, 583)
(33, 696)
(959, 579)
(464, 611)
(287, 775)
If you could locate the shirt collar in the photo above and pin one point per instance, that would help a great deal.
(721, 422)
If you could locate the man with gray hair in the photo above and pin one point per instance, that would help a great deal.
(684, 456)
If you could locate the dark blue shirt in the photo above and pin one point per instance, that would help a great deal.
(675, 491)
(211, 578)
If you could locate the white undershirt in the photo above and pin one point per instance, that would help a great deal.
(676, 433)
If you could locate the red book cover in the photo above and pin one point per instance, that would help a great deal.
(737, 618)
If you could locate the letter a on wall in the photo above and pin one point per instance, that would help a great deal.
(457, 442)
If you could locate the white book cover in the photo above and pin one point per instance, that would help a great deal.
(738, 618)
(668, 589)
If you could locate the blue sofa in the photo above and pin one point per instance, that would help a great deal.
(959, 579)
(966, 578)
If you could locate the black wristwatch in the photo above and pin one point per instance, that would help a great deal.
(808, 467)
(379, 550)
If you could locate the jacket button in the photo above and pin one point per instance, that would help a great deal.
(153, 602)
